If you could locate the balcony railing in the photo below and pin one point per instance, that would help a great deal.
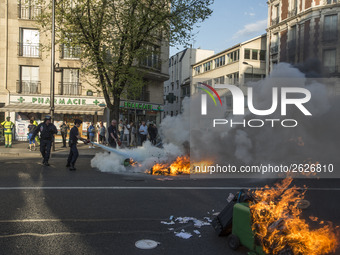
(28, 87)
(29, 50)
(149, 62)
(274, 49)
(292, 13)
(69, 52)
(275, 21)
(28, 11)
(70, 88)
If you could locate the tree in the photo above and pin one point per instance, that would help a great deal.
(115, 36)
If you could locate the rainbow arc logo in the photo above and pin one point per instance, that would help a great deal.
(209, 93)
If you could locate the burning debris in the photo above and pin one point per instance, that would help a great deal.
(278, 226)
(180, 166)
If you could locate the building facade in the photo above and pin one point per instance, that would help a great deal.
(305, 33)
(25, 71)
(178, 86)
(234, 66)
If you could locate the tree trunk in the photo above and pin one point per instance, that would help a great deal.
(115, 109)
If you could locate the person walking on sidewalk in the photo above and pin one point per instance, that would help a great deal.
(36, 124)
(8, 128)
(74, 136)
(31, 127)
(91, 131)
(47, 131)
(63, 130)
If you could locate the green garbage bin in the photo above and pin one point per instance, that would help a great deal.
(242, 233)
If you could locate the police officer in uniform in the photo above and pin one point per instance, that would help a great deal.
(74, 136)
(47, 131)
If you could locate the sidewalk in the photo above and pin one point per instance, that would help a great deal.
(20, 149)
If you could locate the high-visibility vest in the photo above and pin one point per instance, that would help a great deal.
(8, 125)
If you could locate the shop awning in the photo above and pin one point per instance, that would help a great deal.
(59, 109)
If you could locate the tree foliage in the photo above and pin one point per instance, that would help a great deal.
(116, 36)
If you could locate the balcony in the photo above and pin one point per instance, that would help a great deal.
(28, 11)
(292, 13)
(274, 49)
(28, 87)
(29, 50)
(69, 88)
(69, 52)
(275, 21)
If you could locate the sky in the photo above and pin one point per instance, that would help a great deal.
(232, 22)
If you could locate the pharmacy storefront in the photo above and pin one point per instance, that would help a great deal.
(141, 111)
(22, 108)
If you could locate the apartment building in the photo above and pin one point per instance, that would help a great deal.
(25, 70)
(178, 86)
(305, 32)
(242, 63)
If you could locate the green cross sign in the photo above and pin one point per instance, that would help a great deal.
(21, 99)
(96, 102)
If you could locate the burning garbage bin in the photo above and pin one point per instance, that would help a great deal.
(235, 221)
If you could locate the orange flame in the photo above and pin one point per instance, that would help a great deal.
(180, 166)
(278, 226)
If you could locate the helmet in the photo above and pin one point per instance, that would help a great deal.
(47, 117)
(77, 121)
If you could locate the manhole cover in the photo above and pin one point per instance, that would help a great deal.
(146, 244)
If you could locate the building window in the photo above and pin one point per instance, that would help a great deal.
(220, 61)
(172, 114)
(331, 1)
(69, 52)
(254, 55)
(329, 60)
(28, 9)
(29, 43)
(197, 70)
(207, 66)
(233, 79)
(330, 29)
(172, 86)
(177, 84)
(262, 55)
(153, 58)
(247, 54)
(233, 56)
(29, 80)
(70, 84)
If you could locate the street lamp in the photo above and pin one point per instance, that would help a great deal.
(52, 67)
(252, 69)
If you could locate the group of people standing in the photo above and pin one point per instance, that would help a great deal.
(130, 134)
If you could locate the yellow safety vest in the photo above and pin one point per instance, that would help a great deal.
(8, 125)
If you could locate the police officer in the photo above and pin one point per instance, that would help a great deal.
(8, 126)
(47, 131)
(74, 136)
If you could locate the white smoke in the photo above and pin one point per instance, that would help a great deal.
(238, 144)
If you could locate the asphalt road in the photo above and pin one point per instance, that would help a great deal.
(50, 210)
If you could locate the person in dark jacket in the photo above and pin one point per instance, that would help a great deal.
(153, 131)
(113, 136)
(31, 127)
(74, 136)
(47, 131)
